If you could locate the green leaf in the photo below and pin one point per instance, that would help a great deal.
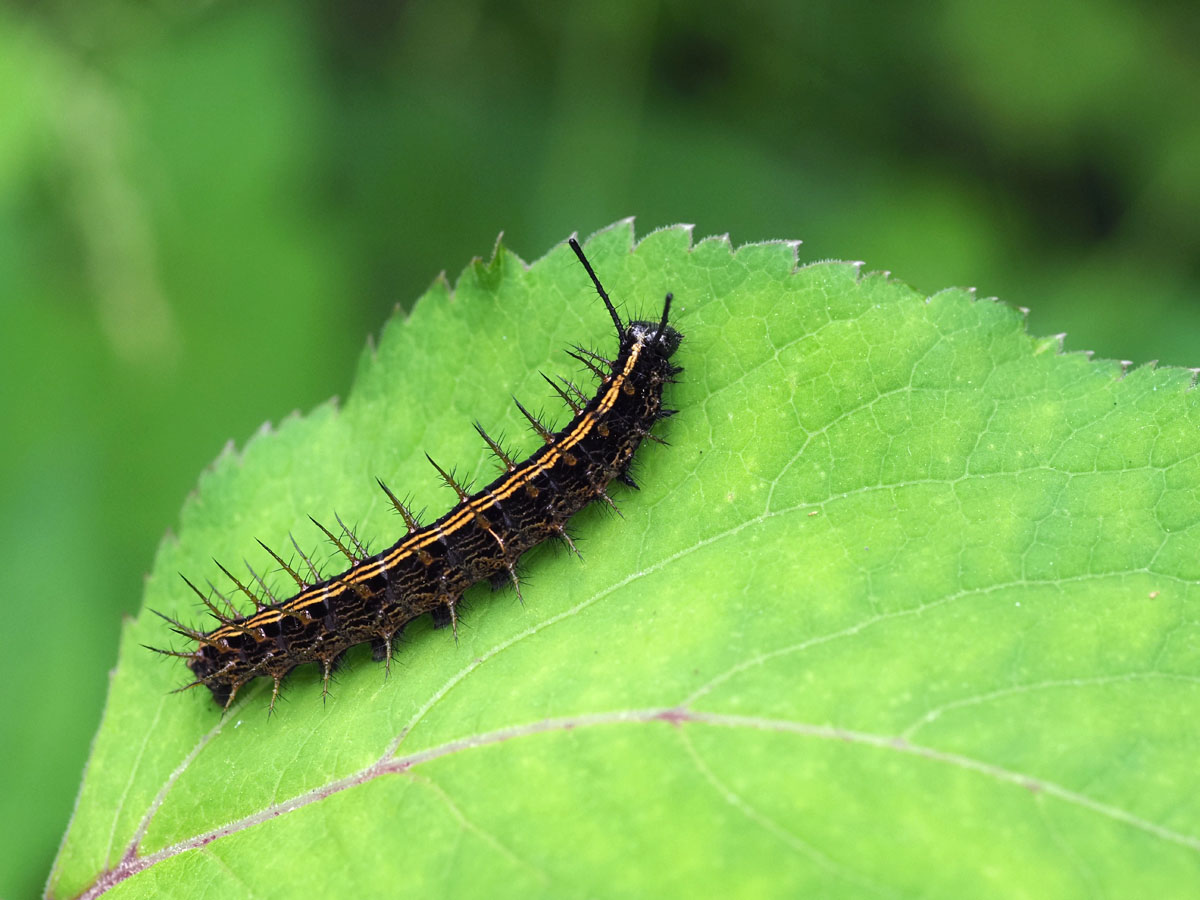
(909, 606)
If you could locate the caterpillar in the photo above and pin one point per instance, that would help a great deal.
(481, 538)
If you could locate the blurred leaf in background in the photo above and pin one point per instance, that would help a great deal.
(206, 207)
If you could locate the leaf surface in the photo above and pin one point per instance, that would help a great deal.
(909, 606)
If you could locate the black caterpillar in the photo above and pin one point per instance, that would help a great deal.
(482, 537)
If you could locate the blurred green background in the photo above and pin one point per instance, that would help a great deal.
(206, 207)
